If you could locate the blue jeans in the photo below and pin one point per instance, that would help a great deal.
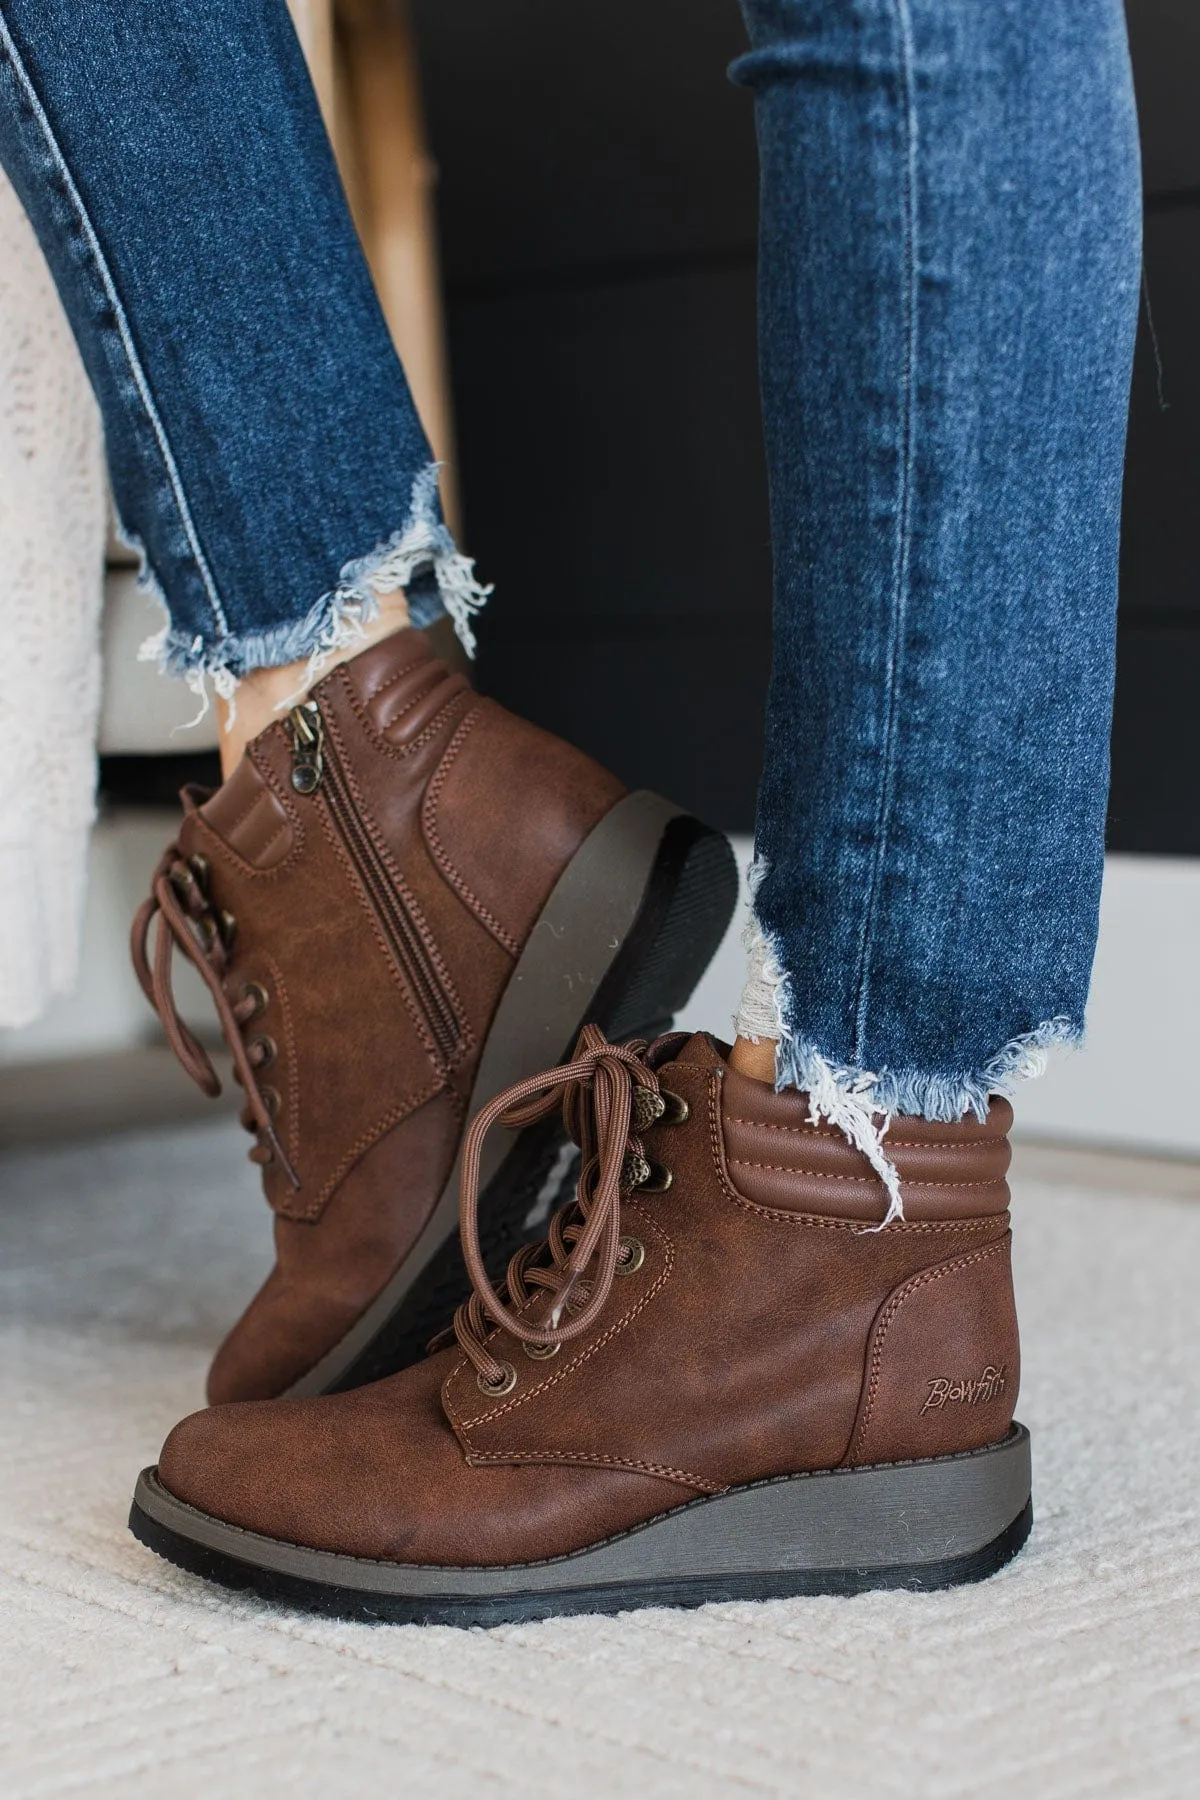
(264, 449)
(950, 262)
(950, 253)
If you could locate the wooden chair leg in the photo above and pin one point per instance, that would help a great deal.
(363, 62)
(313, 20)
(394, 178)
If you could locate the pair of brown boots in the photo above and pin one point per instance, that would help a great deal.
(711, 1379)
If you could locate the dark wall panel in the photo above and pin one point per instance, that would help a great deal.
(1160, 550)
(1156, 742)
(1164, 38)
(613, 461)
(577, 132)
(630, 615)
(597, 206)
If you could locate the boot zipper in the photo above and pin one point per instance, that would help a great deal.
(316, 764)
(307, 729)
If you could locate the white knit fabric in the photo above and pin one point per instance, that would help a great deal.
(53, 503)
(52, 522)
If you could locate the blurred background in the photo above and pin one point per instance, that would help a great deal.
(559, 208)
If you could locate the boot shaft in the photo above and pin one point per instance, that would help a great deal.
(345, 862)
(760, 1326)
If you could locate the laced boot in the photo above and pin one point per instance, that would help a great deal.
(713, 1381)
(401, 901)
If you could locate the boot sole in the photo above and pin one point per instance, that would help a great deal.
(918, 1525)
(630, 927)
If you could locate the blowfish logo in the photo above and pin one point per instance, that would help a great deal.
(945, 1392)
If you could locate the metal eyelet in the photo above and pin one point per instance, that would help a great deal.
(268, 1048)
(541, 1352)
(635, 1170)
(504, 1383)
(646, 1109)
(649, 1177)
(202, 869)
(675, 1108)
(631, 1254)
(226, 927)
(183, 880)
(271, 1100)
(253, 990)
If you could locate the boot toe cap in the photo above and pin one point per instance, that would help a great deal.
(339, 1472)
(216, 1460)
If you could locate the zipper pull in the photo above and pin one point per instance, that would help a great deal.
(307, 729)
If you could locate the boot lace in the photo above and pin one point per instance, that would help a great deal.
(188, 921)
(608, 1093)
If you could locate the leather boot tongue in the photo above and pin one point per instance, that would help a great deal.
(703, 1051)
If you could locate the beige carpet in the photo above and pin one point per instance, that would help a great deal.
(1075, 1672)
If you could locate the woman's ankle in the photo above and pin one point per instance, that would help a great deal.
(265, 693)
(754, 1057)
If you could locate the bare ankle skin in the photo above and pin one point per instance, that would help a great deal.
(754, 1057)
(262, 694)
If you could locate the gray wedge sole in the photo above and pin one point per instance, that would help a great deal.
(926, 1524)
(622, 940)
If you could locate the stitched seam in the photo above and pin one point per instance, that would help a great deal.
(124, 332)
(583, 1356)
(275, 836)
(389, 957)
(397, 751)
(903, 529)
(418, 662)
(740, 1162)
(293, 1059)
(892, 1143)
(614, 1537)
(432, 794)
(814, 1221)
(409, 705)
(887, 1318)
(248, 868)
(683, 1476)
(404, 1109)
(367, 818)
(255, 800)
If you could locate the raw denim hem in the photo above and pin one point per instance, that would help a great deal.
(861, 1103)
(916, 1093)
(424, 544)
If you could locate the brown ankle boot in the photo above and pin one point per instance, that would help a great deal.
(714, 1381)
(403, 900)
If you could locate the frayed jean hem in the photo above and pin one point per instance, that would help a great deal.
(862, 1102)
(421, 557)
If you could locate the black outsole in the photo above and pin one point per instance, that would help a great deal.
(688, 902)
(295, 1592)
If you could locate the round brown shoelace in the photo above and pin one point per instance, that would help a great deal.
(187, 921)
(601, 1094)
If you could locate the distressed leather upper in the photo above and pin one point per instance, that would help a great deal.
(381, 916)
(763, 1332)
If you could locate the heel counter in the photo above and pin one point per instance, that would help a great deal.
(943, 1362)
(505, 811)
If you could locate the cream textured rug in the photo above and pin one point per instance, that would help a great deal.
(1075, 1672)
